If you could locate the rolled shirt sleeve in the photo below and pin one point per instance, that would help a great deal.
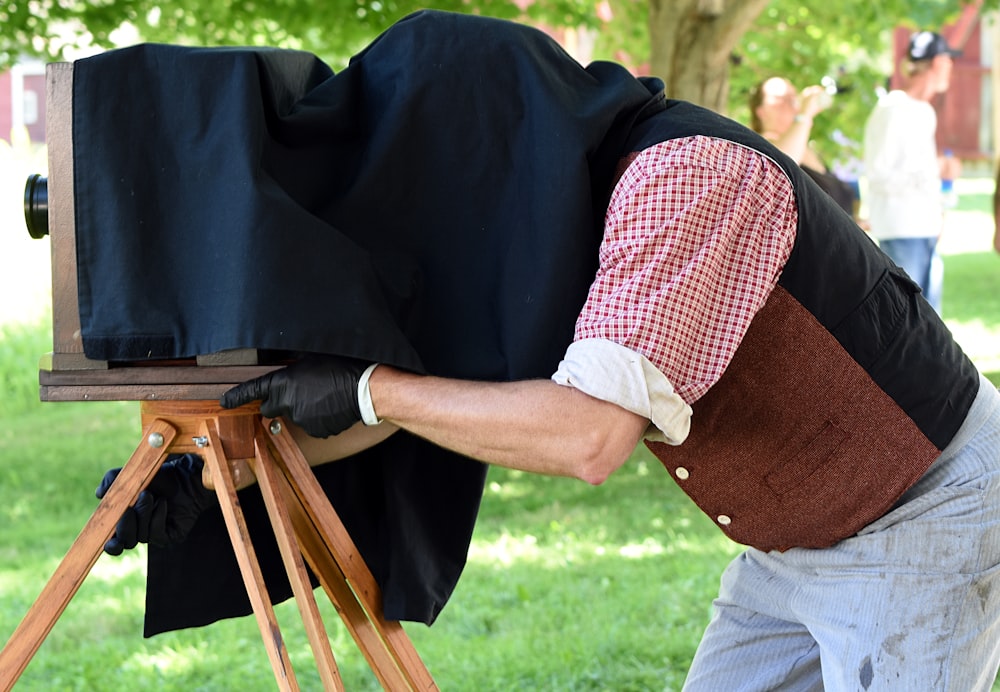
(610, 372)
(696, 234)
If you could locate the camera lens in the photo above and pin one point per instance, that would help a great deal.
(36, 205)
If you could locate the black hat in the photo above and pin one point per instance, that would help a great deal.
(925, 45)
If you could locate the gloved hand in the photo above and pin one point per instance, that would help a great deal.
(166, 511)
(317, 393)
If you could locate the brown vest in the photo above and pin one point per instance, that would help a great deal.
(795, 446)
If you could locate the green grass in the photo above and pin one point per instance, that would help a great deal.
(974, 314)
(568, 587)
(23, 344)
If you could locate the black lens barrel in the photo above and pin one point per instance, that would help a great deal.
(36, 205)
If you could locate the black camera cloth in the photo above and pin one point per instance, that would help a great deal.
(436, 205)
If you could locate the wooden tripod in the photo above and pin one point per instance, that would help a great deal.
(306, 525)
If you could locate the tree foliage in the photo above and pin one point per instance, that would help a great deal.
(333, 29)
(844, 43)
(705, 50)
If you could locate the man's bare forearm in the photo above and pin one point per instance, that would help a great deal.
(535, 425)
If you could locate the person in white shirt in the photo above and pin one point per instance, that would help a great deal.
(904, 169)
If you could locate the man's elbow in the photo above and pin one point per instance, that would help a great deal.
(601, 454)
(600, 438)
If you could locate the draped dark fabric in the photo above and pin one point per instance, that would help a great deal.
(437, 205)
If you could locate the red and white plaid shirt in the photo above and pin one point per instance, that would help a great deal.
(696, 235)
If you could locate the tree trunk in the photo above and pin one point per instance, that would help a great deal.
(690, 45)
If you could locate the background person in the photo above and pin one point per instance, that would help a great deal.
(785, 117)
(904, 169)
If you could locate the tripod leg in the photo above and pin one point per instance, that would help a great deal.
(135, 475)
(291, 553)
(253, 579)
(341, 547)
(364, 631)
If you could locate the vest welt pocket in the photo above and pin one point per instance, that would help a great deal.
(794, 470)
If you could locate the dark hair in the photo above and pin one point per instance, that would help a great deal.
(755, 100)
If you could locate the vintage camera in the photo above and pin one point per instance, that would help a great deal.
(66, 374)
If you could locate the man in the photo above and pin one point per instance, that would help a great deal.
(790, 378)
(903, 167)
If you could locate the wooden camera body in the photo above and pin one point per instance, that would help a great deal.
(66, 374)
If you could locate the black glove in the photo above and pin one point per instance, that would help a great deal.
(317, 393)
(166, 511)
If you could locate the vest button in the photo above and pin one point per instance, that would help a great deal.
(724, 520)
(682, 473)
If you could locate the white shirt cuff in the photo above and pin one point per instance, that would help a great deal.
(610, 372)
(368, 416)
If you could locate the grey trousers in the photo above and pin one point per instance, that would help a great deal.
(910, 603)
